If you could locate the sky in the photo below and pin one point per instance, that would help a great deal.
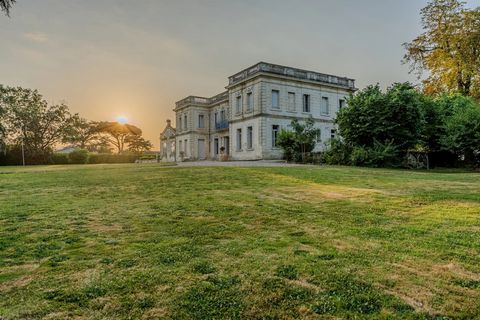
(134, 58)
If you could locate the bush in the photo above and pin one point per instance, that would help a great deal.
(78, 156)
(338, 152)
(111, 158)
(59, 158)
(380, 155)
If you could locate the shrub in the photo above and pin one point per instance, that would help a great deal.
(380, 155)
(338, 152)
(59, 158)
(111, 158)
(78, 156)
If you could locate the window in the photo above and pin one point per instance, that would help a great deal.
(306, 103)
(216, 117)
(201, 121)
(239, 104)
(180, 146)
(319, 135)
(325, 106)
(341, 104)
(291, 101)
(249, 137)
(185, 125)
(185, 148)
(276, 99)
(215, 146)
(275, 129)
(239, 139)
(222, 115)
(180, 123)
(333, 133)
(249, 101)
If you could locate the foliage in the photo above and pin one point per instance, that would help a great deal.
(79, 156)
(137, 144)
(462, 133)
(337, 152)
(299, 141)
(449, 48)
(59, 158)
(31, 121)
(118, 134)
(82, 134)
(378, 156)
(6, 5)
(111, 158)
(373, 116)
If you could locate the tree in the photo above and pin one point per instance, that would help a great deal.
(82, 133)
(118, 134)
(32, 122)
(449, 48)
(299, 141)
(5, 6)
(372, 117)
(462, 131)
(137, 144)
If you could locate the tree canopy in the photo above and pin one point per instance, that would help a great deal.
(449, 48)
(6, 5)
(118, 134)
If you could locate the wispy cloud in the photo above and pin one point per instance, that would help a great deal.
(36, 37)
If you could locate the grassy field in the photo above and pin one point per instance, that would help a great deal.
(148, 242)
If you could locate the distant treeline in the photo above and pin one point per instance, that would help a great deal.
(31, 129)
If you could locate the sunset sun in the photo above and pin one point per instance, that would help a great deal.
(122, 119)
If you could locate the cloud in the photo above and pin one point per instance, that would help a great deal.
(36, 37)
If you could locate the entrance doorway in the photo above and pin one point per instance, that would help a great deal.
(201, 149)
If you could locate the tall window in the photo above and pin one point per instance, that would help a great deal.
(249, 101)
(215, 146)
(185, 124)
(291, 101)
(333, 133)
(275, 129)
(249, 137)
(180, 147)
(201, 121)
(306, 103)
(185, 147)
(239, 104)
(239, 139)
(216, 117)
(341, 104)
(222, 115)
(275, 99)
(325, 106)
(180, 123)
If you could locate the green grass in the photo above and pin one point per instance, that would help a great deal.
(146, 241)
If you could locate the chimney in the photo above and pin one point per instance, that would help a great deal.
(169, 122)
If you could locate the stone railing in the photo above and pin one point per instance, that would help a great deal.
(292, 73)
(201, 100)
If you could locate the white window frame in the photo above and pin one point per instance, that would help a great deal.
(325, 105)
(275, 132)
(306, 105)
(250, 138)
(291, 102)
(239, 139)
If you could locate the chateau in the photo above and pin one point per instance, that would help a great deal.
(243, 122)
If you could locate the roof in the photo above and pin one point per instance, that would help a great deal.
(295, 73)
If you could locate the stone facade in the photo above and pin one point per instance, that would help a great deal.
(242, 122)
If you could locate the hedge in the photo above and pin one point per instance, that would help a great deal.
(111, 158)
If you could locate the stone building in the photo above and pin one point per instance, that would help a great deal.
(242, 123)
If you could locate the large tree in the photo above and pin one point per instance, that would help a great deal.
(138, 145)
(82, 133)
(449, 48)
(32, 122)
(373, 117)
(5, 6)
(118, 134)
(298, 141)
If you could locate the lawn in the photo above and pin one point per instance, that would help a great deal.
(145, 241)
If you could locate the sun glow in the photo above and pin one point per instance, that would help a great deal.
(122, 119)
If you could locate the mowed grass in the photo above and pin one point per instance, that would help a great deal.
(152, 242)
